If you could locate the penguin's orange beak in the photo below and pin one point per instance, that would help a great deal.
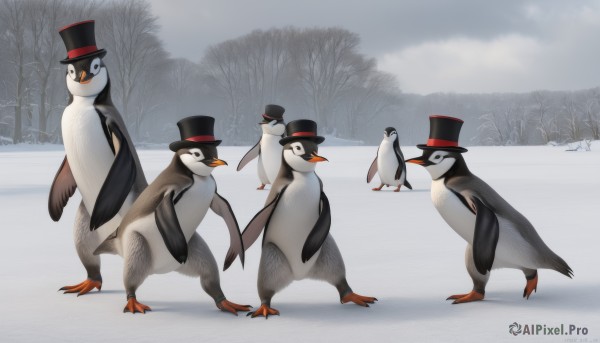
(82, 79)
(416, 160)
(217, 162)
(314, 158)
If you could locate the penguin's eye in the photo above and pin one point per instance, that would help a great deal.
(71, 72)
(298, 149)
(95, 66)
(437, 157)
(196, 153)
(393, 133)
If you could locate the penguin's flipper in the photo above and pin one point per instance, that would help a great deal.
(319, 233)
(63, 187)
(260, 220)
(407, 184)
(398, 152)
(250, 155)
(372, 169)
(118, 183)
(486, 235)
(169, 228)
(400, 157)
(221, 207)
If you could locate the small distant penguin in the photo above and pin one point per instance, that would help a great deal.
(158, 235)
(296, 219)
(100, 160)
(268, 149)
(389, 162)
(498, 236)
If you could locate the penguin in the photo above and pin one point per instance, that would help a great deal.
(158, 234)
(497, 235)
(296, 219)
(389, 162)
(267, 149)
(100, 160)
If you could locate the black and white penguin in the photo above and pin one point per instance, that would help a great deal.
(498, 236)
(389, 162)
(267, 149)
(100, 161)
(158, 234)
(296, 219)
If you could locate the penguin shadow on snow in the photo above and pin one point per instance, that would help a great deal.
(387, 310)
(581, 298)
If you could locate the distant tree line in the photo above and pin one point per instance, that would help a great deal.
(315, 73)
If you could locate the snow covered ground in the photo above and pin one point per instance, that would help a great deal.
(395, 245)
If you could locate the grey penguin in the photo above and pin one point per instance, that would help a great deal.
(497, 235)
(158, 234)
(100, 160)
(296, 219)
(267, 149)
(389, 162)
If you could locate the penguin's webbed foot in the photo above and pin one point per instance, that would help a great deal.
(530, 287)
(134, 306)
(264, 310)
(397, 189)
(261, 187)
(82, 287)
(358, 299)
(466, 298)
(376, 189)
(228, 306)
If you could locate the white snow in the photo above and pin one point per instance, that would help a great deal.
(395, 245)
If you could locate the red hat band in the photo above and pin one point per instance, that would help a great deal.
(202, 138)
(304, 133)
(433, 142)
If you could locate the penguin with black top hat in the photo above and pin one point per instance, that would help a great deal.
(296, 220)
(267, 149)
(497, 235)
(158, 235)
(100, 160)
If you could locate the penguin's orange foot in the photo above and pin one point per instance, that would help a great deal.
(530, 287)
(264, 310)
(134, 306)
(83, 287)
(228, 306)
(358, 299)
(397, 189)
(376, 189)
(466, 298)
(261, 187)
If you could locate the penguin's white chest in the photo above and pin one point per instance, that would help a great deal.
(387, 164)
(89, 154)
(270, 155)
(294, 218)
(88, 151)
(190, 209)
(454, 212)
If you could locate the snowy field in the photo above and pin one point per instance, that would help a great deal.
(395, 245)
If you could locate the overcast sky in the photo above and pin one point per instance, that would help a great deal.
(431, 46)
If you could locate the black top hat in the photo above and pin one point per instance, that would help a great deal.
(80, 41)
(443, 134)
(272, 112)
(301, 129)
(195, 131)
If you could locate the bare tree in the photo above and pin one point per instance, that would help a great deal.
(573, 122)
(546, 121)
(12, 12)
(591, 109)
(327, 64)
(128, 31)
(377, 94)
